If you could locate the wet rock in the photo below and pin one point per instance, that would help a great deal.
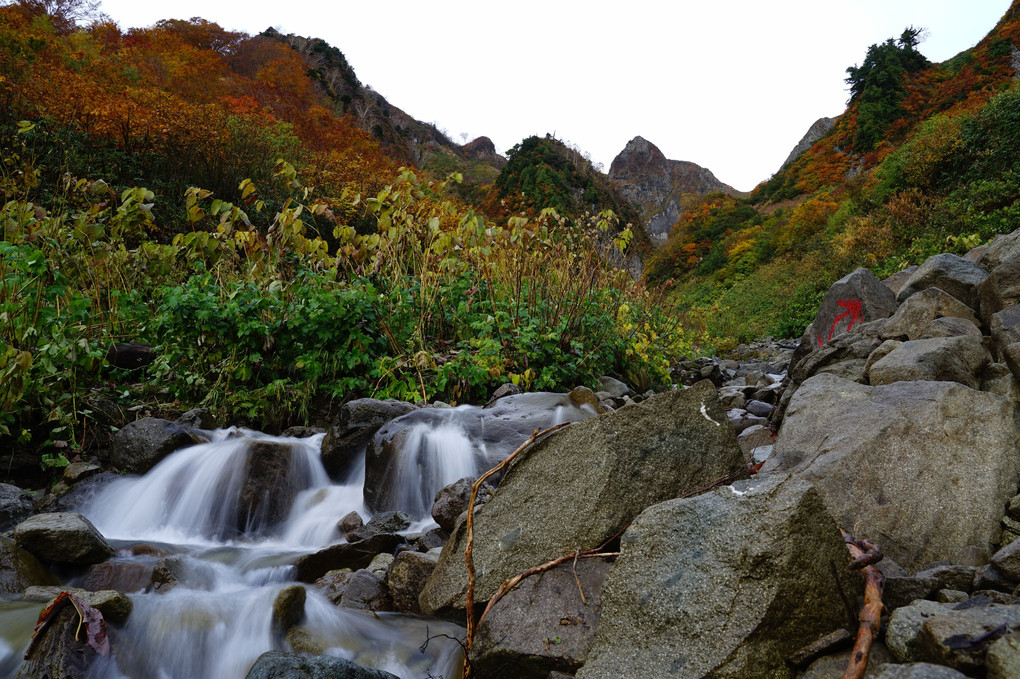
(381, 564)
(738, 577)
(921, 670)
(115, 606)
(80, 493)
(334, 584)
(288, 608)
(281, 665)
(599, 473)
(15, 506)
(614, 386)
(920, 309)
(387, 522)
(402, 454)
(905, 625)
(274, 473)
(956, 477)
(167, 574)
(542, 625)
(79, 471)
(1003, 658)
(141, 444)
(116, 574)
(952, 273)
(351, 523)
(302, 641)
(939, 359)
(960, 638)
(198, 418)
(366, 591)
(585, 399)
(508, 389)
(299, 432)
(451, 502)
(353, 555)
(63, 538)
(19, 569)
(407, 577)
(359, 420)
(57, 652)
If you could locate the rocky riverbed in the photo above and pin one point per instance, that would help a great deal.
(696, 530)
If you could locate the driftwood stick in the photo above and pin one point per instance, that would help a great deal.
(865, 554)
(469, 529)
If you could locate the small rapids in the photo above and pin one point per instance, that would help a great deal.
(233, 562)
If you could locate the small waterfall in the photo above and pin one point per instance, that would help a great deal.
(428, 458)
(233, 514)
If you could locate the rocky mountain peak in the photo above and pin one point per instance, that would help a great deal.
(658, 186)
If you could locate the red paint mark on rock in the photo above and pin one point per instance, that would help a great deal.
(853, 310)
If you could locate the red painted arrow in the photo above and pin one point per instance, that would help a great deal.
(853, 310)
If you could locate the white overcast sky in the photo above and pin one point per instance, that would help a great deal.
(729, 84)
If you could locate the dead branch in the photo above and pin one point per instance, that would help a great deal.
(865, 554)
(469, 530)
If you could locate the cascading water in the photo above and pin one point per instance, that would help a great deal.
(233, 514)
(230, 567)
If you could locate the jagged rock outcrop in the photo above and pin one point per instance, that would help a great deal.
(659, 187)
(818, 129)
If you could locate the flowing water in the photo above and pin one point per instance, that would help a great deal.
(218, 620)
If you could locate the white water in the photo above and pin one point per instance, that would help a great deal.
(218, 620)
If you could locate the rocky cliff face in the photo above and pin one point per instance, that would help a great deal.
(659, 187)
(818, 129)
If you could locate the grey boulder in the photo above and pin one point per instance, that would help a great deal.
(63, 538)
(726, 584)
(917, 311)
(281, 665)
(583, 484)
(939, 359)
(873, 451)
(954, 274)
(141, 444)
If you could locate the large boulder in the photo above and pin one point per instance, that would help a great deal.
(1001, 289)
(1005, 326)
(273, 475)
(543, 625)
(1003, 248)
(353, 555)
(957, 276)
(938, 359)
(15, 506)
(873, 451)
(141, 444)
(358, 422)
(413, 456)
(864, 298)
(725, 584)
(920, 309)
(281, 665)
(63, 538)
(20, 570)
(407, 577)
(582, 485)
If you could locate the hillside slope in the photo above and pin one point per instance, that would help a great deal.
(923, 160)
